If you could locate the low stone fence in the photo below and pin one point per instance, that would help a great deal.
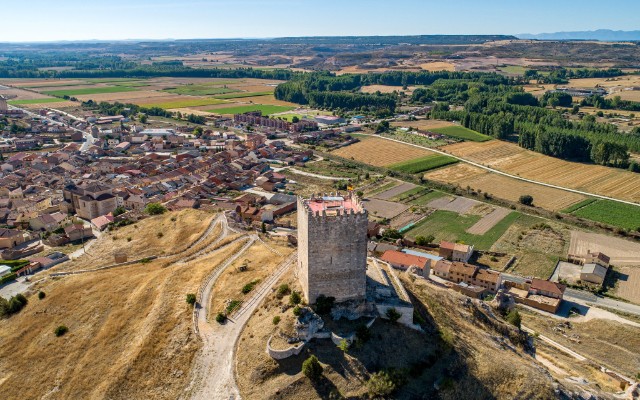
(294, 350)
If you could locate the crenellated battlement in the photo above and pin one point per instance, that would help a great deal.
(333, 205)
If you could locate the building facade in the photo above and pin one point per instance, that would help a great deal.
(332, 247)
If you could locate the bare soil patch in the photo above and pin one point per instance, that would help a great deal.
(423, 124)
(488, 221)
(393, 192)
(383, 208)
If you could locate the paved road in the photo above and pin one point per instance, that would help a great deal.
(587, 298)
(89, 138)
(509, 175)
(325, 177)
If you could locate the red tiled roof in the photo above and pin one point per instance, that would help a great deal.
(400, 258)
(546, 286)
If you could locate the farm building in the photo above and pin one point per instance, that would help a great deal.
(404, 261)
(471, 275)
(593, 273)
(455, 251)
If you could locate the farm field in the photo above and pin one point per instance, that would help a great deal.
(423, 124)
(451, 226)
(35, 101)
(383, 208)
(89, 90)
(185, 102)
(266, 109)
(383, 89)
(621, 252)
(238, 95)
(612, 213)
(488, 221)
(629, 287)
(427, 198)
(423, 164)
(200, 90)
(536, 243)
(510, 158)
(460, 132)
(397, 191)
(504, 187)
(380, 152)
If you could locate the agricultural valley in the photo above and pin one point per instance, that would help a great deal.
(323, 217)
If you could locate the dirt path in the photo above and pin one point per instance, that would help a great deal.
(325, 177)
(557, 345)
(213, 375)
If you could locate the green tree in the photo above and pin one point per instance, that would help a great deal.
(155, 209)
(295, 299)
(344, 345)
(382, 126)
(526, 199)
(312, 369)
(380, 384)
(191, 298)
(60, 330)
(295, 119)
(143, 119)
(119, 211)
(514, 318)
(263, 228)
(41, 295)
(424, 240)
(360, 193)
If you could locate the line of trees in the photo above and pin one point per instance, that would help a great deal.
(562, 75)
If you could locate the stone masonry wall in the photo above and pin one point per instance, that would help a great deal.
(332, 254)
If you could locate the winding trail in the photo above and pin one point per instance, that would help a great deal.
(475, 164)
(213, 375)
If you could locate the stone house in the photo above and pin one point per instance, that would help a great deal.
(10, 238)
(455, 251)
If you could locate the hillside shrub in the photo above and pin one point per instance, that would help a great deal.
(276, 320)
(60, 330)
(283, 290)
(380, 385)
(191, 298)
(312, 369)
(155, 209)
(514, 318)
(295, 298)
(41, 295)
(220, 318)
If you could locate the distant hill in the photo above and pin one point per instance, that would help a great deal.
(606, 35)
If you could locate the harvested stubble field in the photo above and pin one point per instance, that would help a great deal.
(504, 187)
(621, 252)
(124, 324)
(395, 191)
(136, 97)
(380, 152)
(74, 91)
(36, 101)
(266, 109)
(423, 124)
(384, 209)
(488, 221)
(629, 287)
(510, 158)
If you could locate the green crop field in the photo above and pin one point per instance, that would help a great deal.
(95, 90)
(289, 117)
(266, 109)
(612, 213)
(36, 101)
(451, 226)
(423, 164)
(186, 103)
(200, 90)
(240, 95)
(461, 132)
(578, 205)
(426, 198)
(513, 69)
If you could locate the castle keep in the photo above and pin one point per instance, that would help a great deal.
(332, 247)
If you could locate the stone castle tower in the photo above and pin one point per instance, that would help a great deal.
(332, 247)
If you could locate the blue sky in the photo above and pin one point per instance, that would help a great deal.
(161, 19)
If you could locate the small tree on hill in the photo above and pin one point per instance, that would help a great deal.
(191, 298)
(380, 385)
(344, 345)
(155, 209)
(526, 199)
(312, 369)
(295, 298)
(61, 330)
(514, 318)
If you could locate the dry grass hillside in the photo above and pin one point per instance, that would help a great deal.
(154, 236)
(130, 329)
(467, 351)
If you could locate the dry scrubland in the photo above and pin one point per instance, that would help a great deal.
(130, 332)
(461, 349)
(510, 158)
(504, 187)
(380, 152)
